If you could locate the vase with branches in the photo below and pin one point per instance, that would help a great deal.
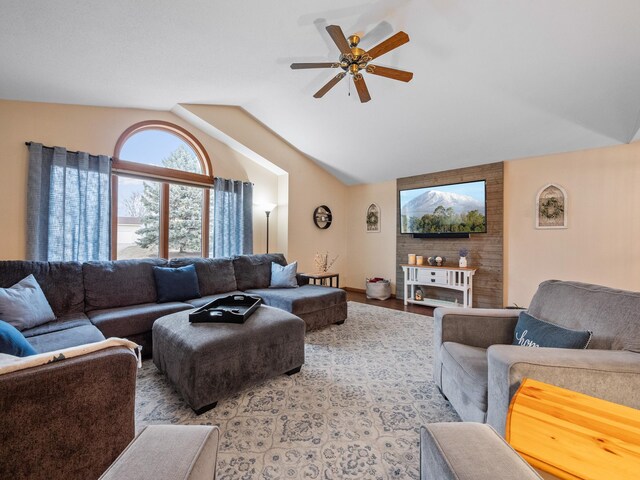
(321, 260)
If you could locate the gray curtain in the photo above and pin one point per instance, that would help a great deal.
(68, 205)
(232, 220)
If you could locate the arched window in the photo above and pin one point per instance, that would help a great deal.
(160, 199)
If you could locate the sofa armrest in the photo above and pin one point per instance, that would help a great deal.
(612, 375)
(478, 327)
(169, 452)
(459, 450)
(302, 280)
(72, 417)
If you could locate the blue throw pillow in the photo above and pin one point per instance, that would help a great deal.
(284, 277)
(532, 332)
(176, 284)
(12, 342)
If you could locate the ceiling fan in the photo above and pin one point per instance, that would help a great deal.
(353, 60)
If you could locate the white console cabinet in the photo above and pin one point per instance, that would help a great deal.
(452, 278)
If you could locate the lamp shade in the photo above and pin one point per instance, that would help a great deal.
(266, 207)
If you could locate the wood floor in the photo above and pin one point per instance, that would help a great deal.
(392, 303)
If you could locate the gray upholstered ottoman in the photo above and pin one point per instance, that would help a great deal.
(209, 361)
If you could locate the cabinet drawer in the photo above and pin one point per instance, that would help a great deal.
(435, 277)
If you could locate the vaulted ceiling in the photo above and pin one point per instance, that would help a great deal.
(493, 80)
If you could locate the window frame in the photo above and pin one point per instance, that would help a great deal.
(164, 176)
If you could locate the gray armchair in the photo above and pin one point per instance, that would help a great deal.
(71, 419)
(68, 419)
(478, 370)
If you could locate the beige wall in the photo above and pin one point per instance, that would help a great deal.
(309, 186)
(96, 130)
(371, 254)
(600, 244)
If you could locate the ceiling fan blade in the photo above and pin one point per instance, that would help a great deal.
(297, 66)
(390, 73)
(361, 87)
(335, 32)
(389, 44)
(330, 84)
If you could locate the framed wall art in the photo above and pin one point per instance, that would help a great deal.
(373, 218)
(551, 207)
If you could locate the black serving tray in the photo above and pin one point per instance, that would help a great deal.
(231, 309)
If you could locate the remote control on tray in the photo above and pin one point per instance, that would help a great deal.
(231, 309)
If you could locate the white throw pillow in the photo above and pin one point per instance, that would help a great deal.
(24, 305)
(284, 277)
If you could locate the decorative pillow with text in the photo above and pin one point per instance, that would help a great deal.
(532, 332)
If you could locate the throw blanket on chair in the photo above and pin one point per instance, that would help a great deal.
(9, 363)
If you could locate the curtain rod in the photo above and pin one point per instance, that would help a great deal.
(28, 144)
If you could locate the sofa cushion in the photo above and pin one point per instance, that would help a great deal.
(176, 284)
(612, 315)
(120, 283)
(199, 302)
(215, 275)
(468, 367)
(61, 323)
(24, 305)
(69, 337)
(12, 342)
(284, 277)
(254, 271)
(306, 299)
(531, 332)
(61, 282)
(134, 319)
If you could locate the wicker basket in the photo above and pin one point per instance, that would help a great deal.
(380, 290)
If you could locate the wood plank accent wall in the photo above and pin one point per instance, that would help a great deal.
(485, 249)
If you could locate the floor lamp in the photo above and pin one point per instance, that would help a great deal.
(268, 208)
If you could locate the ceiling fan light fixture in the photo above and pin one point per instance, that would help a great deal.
(353, 59)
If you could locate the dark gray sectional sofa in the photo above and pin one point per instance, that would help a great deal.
(95, 300)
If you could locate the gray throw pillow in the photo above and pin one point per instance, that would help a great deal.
(532, 332)
(24, 305)
(284, 277)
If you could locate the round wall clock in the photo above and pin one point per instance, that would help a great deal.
(322, 217)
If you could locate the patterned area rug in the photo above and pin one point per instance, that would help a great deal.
(353, 412)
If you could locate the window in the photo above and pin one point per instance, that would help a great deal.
(138, 227)
(185, 221)
(160, 201)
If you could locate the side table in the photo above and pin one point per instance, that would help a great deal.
(325, 279)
